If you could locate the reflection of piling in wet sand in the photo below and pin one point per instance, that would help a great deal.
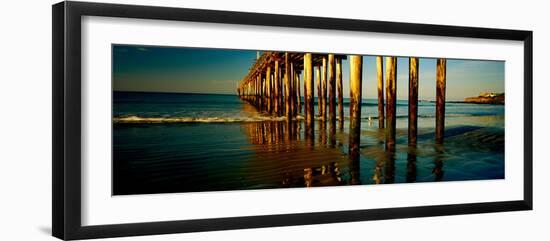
(322, 132)
(411, 164)
(438, 163)
(332, 134)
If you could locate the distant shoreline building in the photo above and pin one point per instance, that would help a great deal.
(486, 98)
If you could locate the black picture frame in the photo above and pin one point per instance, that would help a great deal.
(66, 128)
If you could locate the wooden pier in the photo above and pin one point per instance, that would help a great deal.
(273, 86)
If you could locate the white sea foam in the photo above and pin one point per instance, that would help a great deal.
(137, 119)
(238, 119)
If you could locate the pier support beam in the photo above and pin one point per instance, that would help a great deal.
(294, 90)
(288, 102)
(413, 100)
(391, 94)
(269, 90)
(260, 91)
(281, 92)
(324, 90)
(277, 87)
(319, 95)
(308, 81)
(305, 92)
(356, 69)
(299, 97)
(380, 77)
(262, 86)
(331, 90)
(441, 80)
(265, 92)
(340, 92)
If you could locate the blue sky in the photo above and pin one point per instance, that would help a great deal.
(198, 70)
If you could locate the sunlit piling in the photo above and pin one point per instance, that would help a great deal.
(299, 95)
(308, 80)
(319, 93)
(340, 92)
(391, 96)
(305, 95)
(356, 70)
(323, 94)
(277, 88)
(292, 90)
(281, 92)
(441, 79)
(331, 88)
(413, 100)
(269, 89)
(288, 101)
(356, 67)
(380, 78)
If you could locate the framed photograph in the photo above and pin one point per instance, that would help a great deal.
(170, 120)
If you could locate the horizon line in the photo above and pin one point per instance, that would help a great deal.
(194, 93)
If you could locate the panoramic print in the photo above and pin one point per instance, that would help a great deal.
(202, 119)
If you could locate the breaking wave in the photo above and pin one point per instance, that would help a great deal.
(240, 119)
(137, 119)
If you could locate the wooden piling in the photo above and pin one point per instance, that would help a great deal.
(331, 90)
(319, 97)
(292, 90)
(413, 100)
(269, 93)
(262, 92)
(441, 79)
(391, 94)
(288, 110)
(264, 89)
(356, 69)
(340, 92)
(277, 87)
(256, 99)
(380, 77)
(299, 97)
(305, 93)
(324, 90)
(308, 81)
(281, 92)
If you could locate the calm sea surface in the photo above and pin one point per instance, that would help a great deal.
(165, 143)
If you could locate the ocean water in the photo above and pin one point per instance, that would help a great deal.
(168, 142)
